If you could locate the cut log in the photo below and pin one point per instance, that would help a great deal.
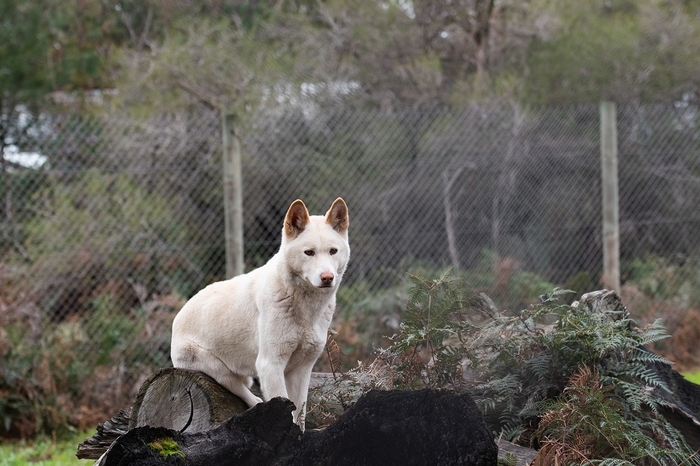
(183, 400)
(262, 436)
(164, 401)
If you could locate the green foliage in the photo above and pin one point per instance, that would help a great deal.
(36, 374)
(425, 339)
(368, 323)
(620, 50)
(50, 369)
(26, 41)
(574, 381)
(126, 241)
(667, 279)
(589, 421)
(45, 46)
(577, 367)
(18, 191)
(580, 283)
(120, 339)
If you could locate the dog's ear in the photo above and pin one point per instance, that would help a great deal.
(296, 219)
(337, 216)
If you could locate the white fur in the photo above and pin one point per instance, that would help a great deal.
(272, 322)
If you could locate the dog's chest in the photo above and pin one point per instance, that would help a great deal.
(307, 347)
(302, 327)
(308, 340)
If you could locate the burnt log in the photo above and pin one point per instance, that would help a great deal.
(383, 427)
(435, 427)
(263, 435)
(682, 400)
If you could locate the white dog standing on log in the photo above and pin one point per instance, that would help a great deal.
(272, 322)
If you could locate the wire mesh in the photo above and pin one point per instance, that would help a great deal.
(125, 219)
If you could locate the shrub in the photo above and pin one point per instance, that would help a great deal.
(368, 323)
(35, 373)
(55, 377)
(575, 382)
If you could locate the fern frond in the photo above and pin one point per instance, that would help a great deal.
(554, 295)
(335, 356)
(653, 333)
(512, 432)
(642, 355)
(582, 372)
(612, 462)
(540, 366)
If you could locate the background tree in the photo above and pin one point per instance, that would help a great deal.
(25, 76)
(622, 50)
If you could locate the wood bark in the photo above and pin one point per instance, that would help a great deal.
(449, 179)
(107, 432)
(507, 451)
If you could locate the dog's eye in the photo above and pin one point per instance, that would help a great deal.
(309, 252)
(333, 251)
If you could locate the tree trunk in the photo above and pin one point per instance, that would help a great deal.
(506, 180)
(449, 179)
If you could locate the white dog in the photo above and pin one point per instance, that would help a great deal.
(272, 322)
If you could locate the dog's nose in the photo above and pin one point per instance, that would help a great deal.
(327, 278)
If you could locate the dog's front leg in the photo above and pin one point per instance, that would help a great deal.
(298, 388)
(270, 366)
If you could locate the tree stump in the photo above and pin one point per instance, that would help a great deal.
(183, 400)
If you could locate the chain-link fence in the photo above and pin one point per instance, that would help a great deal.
(109, 224)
